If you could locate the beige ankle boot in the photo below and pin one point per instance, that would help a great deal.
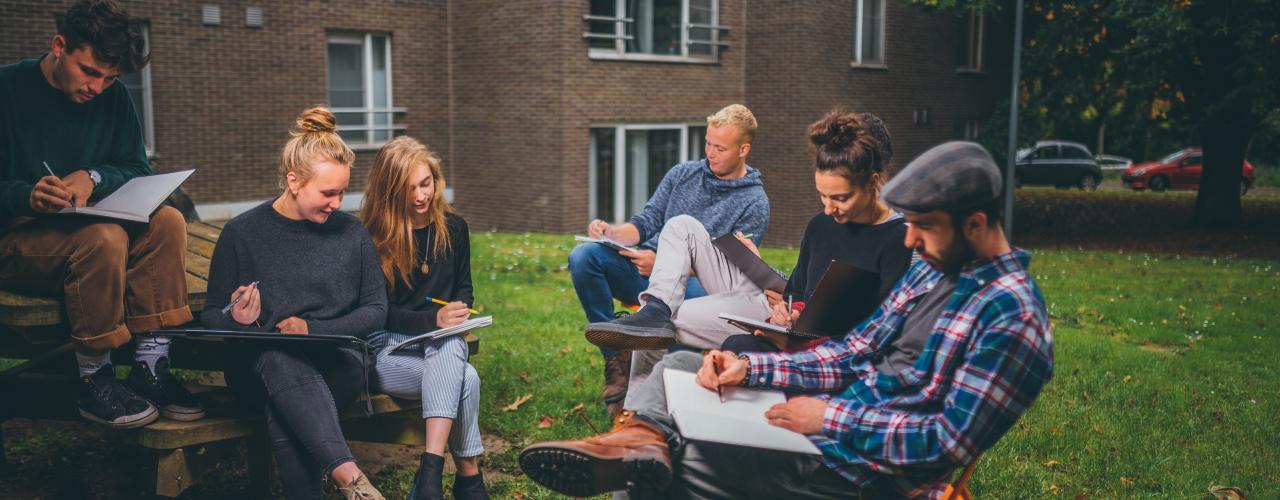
(361, 489)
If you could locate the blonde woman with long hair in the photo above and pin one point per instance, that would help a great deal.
(297, 265)
(425, 252)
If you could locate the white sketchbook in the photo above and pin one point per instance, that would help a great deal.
(739, 420)
(457, 329)
(136, 199)
(604, 241)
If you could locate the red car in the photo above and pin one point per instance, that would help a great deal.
(1180, 170)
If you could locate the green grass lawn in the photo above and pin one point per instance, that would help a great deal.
(1165, 382)
(1165, 378)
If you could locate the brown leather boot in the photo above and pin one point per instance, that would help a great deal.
(633, 457)
(617, 373)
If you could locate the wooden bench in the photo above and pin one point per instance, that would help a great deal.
(44, 387)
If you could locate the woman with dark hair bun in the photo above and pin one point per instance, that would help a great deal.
(851, 152)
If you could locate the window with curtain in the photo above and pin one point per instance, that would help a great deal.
(868, 32)
(969, 45)
(654, 29)
(139, 86)
(359, 86)
(627, 162)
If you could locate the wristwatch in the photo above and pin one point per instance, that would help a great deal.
(95, 177)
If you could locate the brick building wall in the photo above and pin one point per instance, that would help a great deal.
(507, 93)
(797, 75)
(225, 96)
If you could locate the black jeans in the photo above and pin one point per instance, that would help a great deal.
(301, 391)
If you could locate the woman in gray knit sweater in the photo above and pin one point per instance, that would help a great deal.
(299, 266)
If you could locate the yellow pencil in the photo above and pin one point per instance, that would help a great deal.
(443, 303)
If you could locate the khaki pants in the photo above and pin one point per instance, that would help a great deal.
(114, 278)
(685, 248)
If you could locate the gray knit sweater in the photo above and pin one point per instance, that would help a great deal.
(327, 274)
(722, 206)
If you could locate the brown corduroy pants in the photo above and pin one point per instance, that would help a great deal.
(113, 277)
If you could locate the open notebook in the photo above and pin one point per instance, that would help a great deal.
(616, 246)
(136, 199)
(844, 297)
(739, 420)
(460, 328)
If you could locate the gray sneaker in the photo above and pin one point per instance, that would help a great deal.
(647, 329)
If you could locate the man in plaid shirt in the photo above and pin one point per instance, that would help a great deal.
(958, 351)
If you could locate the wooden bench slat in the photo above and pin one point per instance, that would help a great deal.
(203, 231)
(200, 246)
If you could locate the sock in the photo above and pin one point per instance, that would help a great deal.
(150, 350)
(90, 363)
(654, 306)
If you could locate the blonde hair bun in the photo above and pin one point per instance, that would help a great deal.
(318, 119)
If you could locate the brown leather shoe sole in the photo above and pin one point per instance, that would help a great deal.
(612, 339)
(577, 472)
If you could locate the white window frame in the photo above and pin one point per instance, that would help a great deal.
(857, 61)
(365, 40)
(620, 162)
(148, 122)
(620, 37)
(977, 34)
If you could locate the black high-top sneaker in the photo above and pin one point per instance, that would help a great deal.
(106, 400)
(165, 391)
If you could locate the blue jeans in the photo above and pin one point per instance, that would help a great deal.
(600, 275)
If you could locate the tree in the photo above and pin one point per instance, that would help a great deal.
(1166, 72)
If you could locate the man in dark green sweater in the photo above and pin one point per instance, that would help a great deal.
(69, 135)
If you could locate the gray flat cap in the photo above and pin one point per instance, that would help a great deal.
(950, 176)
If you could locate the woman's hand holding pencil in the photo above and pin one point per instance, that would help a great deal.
(452, 314)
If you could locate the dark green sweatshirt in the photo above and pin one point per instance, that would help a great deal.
(38, 123)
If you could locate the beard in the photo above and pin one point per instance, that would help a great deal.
(951, 259)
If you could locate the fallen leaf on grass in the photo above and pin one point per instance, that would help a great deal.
(1226, 493)
(524, 376)
(1052, 463)
(1126, 481)
(544, 422)
(1085, 394)
(564, 350)
(515, 405)
(576, 409)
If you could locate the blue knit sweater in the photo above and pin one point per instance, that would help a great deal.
(722, 206)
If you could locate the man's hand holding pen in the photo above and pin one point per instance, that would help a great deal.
(721, 369)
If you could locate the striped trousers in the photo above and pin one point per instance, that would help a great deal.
(438, 373)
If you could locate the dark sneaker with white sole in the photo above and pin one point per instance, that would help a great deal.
(647, 328)
(165, 391)
(107, 400)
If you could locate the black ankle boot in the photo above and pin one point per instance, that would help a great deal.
(470, 488)
(428, 483)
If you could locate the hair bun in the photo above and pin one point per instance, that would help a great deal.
(837, 130)
(317, 119)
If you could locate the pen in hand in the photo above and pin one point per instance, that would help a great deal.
(715, 365)
(50, 170)
(227, 309)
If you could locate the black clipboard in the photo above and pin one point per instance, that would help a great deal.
(756, 269)
(845, 296)
(258, 337)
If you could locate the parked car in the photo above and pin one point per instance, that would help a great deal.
(1113, 162)
(1179, 170)
(1062, 164)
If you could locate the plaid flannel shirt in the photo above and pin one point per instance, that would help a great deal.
(989, 355)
